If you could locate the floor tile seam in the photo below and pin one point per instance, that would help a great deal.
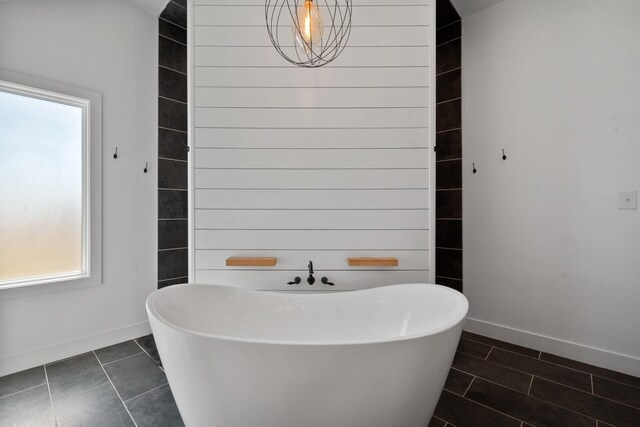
(590, 394)
(23, 390)
(483, 405)
(143, 350)
(531, 373)
(527, 395)
(487, 356)
(492, 381)
(122, 358)
(117, 393)
(590, 373)
(145, 392)
(53, 408)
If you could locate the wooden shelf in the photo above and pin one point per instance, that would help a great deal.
(373, 262)
(251, 262)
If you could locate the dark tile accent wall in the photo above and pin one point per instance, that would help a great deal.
(448, 146)
(173, 264)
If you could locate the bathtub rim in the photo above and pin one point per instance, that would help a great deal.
(459, 317)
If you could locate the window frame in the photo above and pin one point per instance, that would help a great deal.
(91, 104)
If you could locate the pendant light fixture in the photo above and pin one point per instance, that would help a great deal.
(309, 33)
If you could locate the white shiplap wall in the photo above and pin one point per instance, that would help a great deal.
(312, 164)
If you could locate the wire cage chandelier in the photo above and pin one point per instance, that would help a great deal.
(309, 33)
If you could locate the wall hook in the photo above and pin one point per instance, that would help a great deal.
(115, 155)
(474, 168)
(504, 156)
(146, 167)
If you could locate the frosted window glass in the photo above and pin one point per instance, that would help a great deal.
(41, 188)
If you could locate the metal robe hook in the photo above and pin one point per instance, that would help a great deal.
(115, 155)
(504, 156)
(146, 167)
(474, 168)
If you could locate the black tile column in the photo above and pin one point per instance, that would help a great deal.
(173, 264)
(448, 146)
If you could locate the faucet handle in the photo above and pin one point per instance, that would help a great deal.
(296, 281)
(326, 281)
(310, 267)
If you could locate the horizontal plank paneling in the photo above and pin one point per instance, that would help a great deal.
(306, 98)
(322, 260)
(311, 119)
(310, 179)
(351, 57)
(311, 159)
(312, 138)
(277, 280)
(356, 3)
(360, 36)
(312, 164)
(312, 239)
(312, 219)
(366, 15)
(312, 199)
(312, 78)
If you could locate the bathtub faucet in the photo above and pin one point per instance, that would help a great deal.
(311, 280)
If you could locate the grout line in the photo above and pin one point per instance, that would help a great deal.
(171, 69)
(183, 102)
(447, 130)
(530, 385)
(114, 389)
(172, 39)
(145, 352)
(172, 129)
(171, 249)
(53, 409)
(174, 23)
(437, 247)
(490, 350)
(450, 278)
(448, 160)
(465, 392)
(437, 103)
(117, 360)
(173, 278)
(172, 160)
(148, 391)
(177, 4)
(592, 389)
(448, 71)
(449, 24)
(26, 389)
(449, 41)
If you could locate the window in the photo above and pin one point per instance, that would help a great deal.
(45, 185)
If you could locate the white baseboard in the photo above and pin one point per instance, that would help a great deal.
(38, 356)
(580, 352)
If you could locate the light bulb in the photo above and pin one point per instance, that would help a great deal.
(307, 29)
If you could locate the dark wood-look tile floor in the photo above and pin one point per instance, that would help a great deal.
(491, 384)
(495, 383)
(116, 386)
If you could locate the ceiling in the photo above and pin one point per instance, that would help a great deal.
(152, 6)
(469, 7)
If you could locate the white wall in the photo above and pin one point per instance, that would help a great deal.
(317, 164)
(110, 47)
(549, 259)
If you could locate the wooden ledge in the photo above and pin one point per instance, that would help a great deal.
(373, 262)
(251, 262)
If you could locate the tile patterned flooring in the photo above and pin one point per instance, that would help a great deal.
(491, 384)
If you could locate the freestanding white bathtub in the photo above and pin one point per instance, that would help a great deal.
(369, 358)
